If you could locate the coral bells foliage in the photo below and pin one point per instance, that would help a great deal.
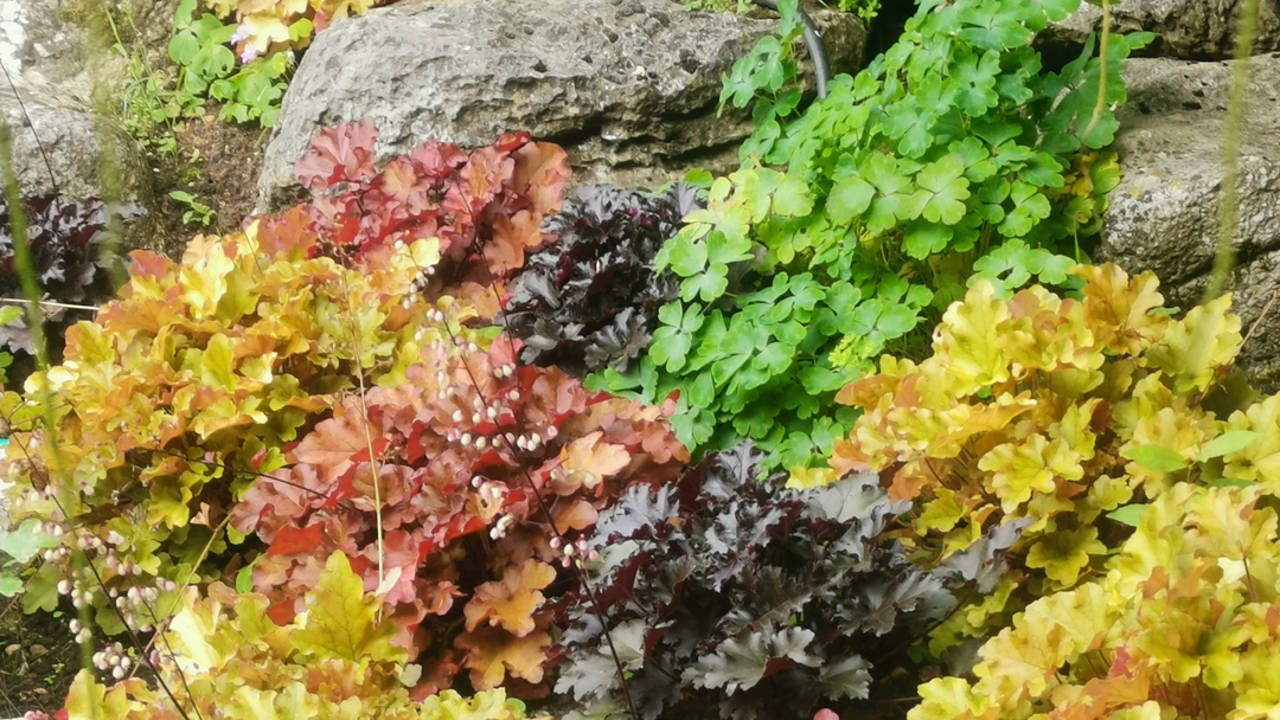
(187, 387)
(265, 26)
(1059, 417)
(725, 592)
(224, 659)
(66, 239)
(466, 554)
(486, 206)
(588, 300)
(1185, 623)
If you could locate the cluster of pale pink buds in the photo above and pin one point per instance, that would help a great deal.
(56, 554)
(112, 658)
(504, 371)
(578, 547)
(89, 542)
(531, 441)
(435, 315)
(81, 634)
(499, 530)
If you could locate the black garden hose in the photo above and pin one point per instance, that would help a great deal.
(813, 40)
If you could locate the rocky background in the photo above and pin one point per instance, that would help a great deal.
(629, 88)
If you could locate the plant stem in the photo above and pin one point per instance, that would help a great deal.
(1224, 258)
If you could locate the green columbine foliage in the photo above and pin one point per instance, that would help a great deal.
(207, 69)
(854, 222)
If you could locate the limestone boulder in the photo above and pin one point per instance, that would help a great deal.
(628, 87)
(1186, 29)
(1163, 215)
(44, 46)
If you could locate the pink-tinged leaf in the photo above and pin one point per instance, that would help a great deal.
(343, 153)
(333, 445)
(542, 169)
(290, 540)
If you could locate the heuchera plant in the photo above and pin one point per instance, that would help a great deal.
(486, 206)
(183, 391)
(67, 250)
(853, 222)
(1183, 624)
(588, 300)
(225, 658)
(725, 592)
(265, 26)
(468, 450)
(1061, 417)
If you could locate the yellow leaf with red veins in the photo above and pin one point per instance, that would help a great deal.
(511, 601)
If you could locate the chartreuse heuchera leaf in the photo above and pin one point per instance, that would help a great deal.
(852, 223)
(1056, 419)
(230, 660)
(1182, 622)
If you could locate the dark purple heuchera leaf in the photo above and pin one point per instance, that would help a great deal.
(587, 301)
(66, 241)
(760, 601)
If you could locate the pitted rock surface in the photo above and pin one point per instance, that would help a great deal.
(1185, 29)
(628, 87)
(1163, 215)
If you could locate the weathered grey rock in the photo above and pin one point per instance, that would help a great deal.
(43, 46)
(74, 144)
(628, 87)
(1187, 29)
(1164, 213)
(46, 42)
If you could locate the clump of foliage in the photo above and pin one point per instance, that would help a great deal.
(181, 392)
(1062, 417)
(486, 207)
(588, 300)
(207, 69)
(1183, 624)
(225, 658)
(851, 223)
(472, 453)
(730, 593)
(268, 26)
(67, 240)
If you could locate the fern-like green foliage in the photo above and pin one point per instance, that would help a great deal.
(850, 224)
(1054, 421)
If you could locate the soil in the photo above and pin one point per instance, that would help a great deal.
(38, 659)
(216, 162)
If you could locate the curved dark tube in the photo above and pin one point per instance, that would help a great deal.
(817, 50)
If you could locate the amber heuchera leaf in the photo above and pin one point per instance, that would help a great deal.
(511, 601)
(493, 653)
(341, 620)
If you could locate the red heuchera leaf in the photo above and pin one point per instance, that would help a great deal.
(343, 153)
(290, 540)
(461, 525)
(486, 206)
